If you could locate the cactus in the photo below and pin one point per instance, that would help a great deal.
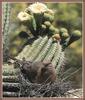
(49, 45)
(10, 81)
(5, 29)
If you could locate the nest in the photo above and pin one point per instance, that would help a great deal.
(55, 89)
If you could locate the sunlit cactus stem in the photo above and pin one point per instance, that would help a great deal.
(6, 9)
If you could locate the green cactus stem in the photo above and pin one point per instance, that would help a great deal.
(60, 64)
(51, 52)
(57, 55)
(38, 49)
(42, 54)
(6, 8)
(28, 49)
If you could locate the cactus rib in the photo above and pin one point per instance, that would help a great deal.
(60, 63)
(28, 49)
(57, 54)
(51, 52)
(33, 46)
(37, 50)
(44, 50)
(20, 55)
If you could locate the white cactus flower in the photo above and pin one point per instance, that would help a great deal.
(38, 8)
(23, 16)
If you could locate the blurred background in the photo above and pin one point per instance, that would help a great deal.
(68, 15)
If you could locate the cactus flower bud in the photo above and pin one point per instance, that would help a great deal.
(52, 28)
(63, 30)
(48, 17)
(47, 23)
(43, 26)
(64, 33)
(76, 34)
(56, 37)
(57, 31)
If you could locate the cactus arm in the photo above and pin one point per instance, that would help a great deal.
(5, 29)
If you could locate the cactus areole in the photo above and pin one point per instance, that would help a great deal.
(44, 57)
